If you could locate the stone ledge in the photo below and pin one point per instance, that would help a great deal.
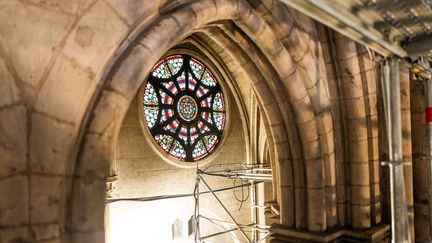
(377, 233)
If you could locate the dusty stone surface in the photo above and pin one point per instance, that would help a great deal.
(69, 71)
(33, 45)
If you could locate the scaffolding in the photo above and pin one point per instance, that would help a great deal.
(249, 176)
(254, 176)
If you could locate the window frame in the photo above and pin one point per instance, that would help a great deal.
(219, 73)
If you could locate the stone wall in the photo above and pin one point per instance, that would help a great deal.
(70, 70)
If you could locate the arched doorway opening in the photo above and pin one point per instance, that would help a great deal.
(268, 67)
(153, 197)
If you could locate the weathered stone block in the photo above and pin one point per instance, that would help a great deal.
(50, 142)
(95, 37)
(47, 233)
(421, 217)
(355, 108)
(315, 174)
(360, 216)
(9, 92)
(131, 10)
(316, 210)
(14, 234)
(46, 197)
(13, 140)
(359, 174)
(14, 203)
(76, 7)
(360, 195)
(69, 84)
(88, 209)
(358, 151)
(34, 40)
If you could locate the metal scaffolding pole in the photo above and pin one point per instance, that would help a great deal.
(391, 95)
(252, 191)
(225, 209)
(251, 174)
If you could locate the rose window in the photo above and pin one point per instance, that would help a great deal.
(184, 108)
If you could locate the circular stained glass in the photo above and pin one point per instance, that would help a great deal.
(187, 108)
(184, 108)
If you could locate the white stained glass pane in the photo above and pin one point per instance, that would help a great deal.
(218, 103)
(151, 113)
(208, 79)
(219, 118)
(165, 141)
(197, 68)
(199, 150)
(167, 67)
(210, 142)
(150, 96)
(178, 151)
(174, 63)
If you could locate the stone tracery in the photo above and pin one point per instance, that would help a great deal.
(184, 108)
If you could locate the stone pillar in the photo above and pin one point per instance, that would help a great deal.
(420, 164)
(358, 161)
(110, 182)
(406, 144)
(369, 74)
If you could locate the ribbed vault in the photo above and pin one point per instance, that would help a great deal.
(284, 63)
(71, 70)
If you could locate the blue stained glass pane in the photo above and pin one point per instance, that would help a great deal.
(206, 102)
(192, 84)
(171, 87)
(172, 127)
(201, 91)
(166, 114)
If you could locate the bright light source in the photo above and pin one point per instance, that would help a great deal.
(138, 222)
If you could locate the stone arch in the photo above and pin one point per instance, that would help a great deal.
(125, 72)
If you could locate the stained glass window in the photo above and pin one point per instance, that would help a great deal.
(184, 108)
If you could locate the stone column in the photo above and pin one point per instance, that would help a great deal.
(420, 164)
(110, 185)
(406, 144)
(358, 161)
